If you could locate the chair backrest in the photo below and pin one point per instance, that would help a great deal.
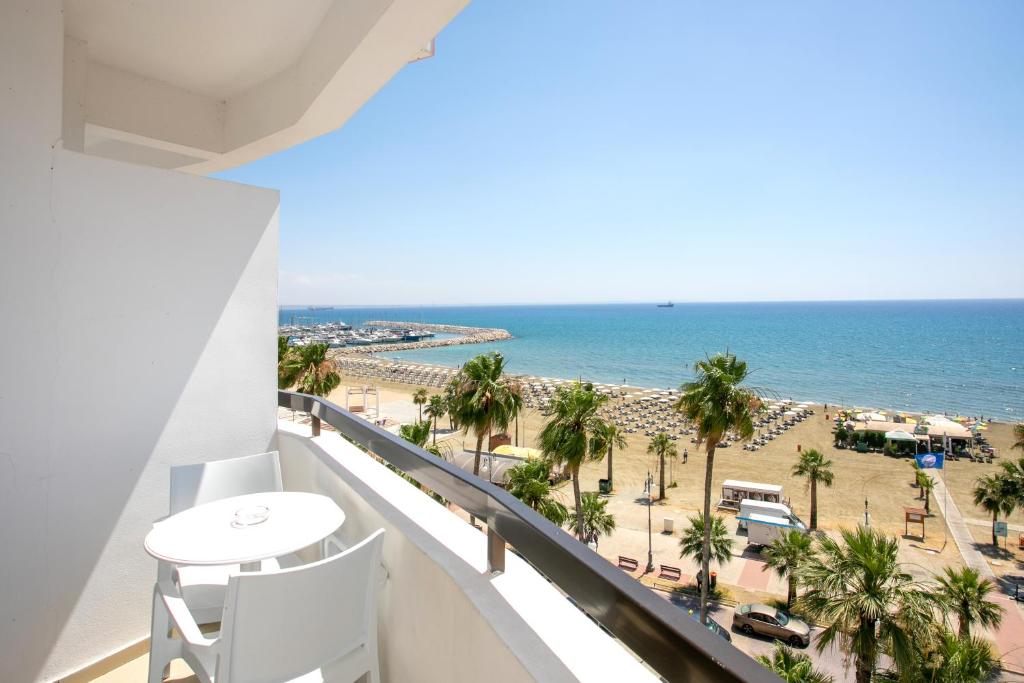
(280, 625)
(204, 482)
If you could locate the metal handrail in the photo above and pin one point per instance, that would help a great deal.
(661, 634)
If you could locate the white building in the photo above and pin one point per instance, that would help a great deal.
(135, 293)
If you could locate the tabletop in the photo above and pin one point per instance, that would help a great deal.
(244, 529)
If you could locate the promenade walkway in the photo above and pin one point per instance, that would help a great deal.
(1009, 638)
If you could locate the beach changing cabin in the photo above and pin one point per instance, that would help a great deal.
(734, 491)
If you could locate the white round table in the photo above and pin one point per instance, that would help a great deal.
(229, 531)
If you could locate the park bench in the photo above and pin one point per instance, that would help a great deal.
(628, 563)
(669, 573)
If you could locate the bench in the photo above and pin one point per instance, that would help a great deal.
(669, 573)
(628, 563)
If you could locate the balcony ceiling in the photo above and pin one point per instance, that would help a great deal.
(201, 85)
(217, 49)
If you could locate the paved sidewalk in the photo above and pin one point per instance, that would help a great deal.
(1010, 636)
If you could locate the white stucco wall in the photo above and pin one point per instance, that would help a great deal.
(138, 309)
(441, 616)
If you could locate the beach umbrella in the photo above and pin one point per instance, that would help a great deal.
(790, 413)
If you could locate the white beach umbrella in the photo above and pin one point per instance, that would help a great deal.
(790, 413)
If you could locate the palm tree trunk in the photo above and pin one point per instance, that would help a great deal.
(814, 504)
(965, 624)
(517, 430)
(610, 449)
(791, 598)
(705, 553)
(476, 455)
(661, 476)
(580, 531)
(435, 431)
(927, 501)
(865, 658)
(995, 517)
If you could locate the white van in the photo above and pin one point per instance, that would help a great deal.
(765, 521)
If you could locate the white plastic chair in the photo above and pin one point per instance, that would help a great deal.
(317, 622)
(203, 588)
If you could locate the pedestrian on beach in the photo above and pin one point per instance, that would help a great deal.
(686, 454)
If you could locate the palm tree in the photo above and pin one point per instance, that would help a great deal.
(529, 483)
(815, 468)
(435, 409)
(717, 403)
(927, 485)
(567, 438)
(792, 667)
(963, 592)
(286, 372)
(610, 436)
(867, 603)
(418, 433)
(1013, 478)
(785, 555)
(993, 494)
(691, 544)
(1018, 436)
(484, 399)
(947, 658)
(592, 520)
(662, 447)
(314, 372)
(419, 397)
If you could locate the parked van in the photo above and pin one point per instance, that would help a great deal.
(764, 522)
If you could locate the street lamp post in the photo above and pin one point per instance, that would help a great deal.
(648, 485)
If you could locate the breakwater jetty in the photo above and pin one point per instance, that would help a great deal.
(466, 335)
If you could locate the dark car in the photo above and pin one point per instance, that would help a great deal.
(713, 626)
(759, 618)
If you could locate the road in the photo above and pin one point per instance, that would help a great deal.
(830, 661)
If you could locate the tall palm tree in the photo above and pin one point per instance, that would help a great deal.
(592, 519)
(485, 399)
(963, 592)
(435, 409)
(815, 468)
(286, 372)
(868, 604)
(567, 437)
(610, 436)
(993, 494)
(791, 666)
(661, 447)
(717, 404)
(785, 555)
(529, 483)
(419, 397)
(691, 543)
(314, 372)
(1018, 436)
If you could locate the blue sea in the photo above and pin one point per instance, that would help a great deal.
(956, 356)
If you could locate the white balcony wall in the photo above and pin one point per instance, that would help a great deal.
(442, 617)
(139, 310)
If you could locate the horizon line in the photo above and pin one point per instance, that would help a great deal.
(653, 302)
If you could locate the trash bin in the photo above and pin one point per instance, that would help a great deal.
(669, 525)
(604, 486)
(714, 580)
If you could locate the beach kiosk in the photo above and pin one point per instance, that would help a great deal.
(735, 491)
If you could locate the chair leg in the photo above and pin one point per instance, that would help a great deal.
(162, 647)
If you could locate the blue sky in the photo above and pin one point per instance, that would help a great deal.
(624, 151)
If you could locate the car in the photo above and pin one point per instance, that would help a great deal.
(766, 620)
(712, 626)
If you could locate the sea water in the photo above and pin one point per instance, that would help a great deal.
(956, 356)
